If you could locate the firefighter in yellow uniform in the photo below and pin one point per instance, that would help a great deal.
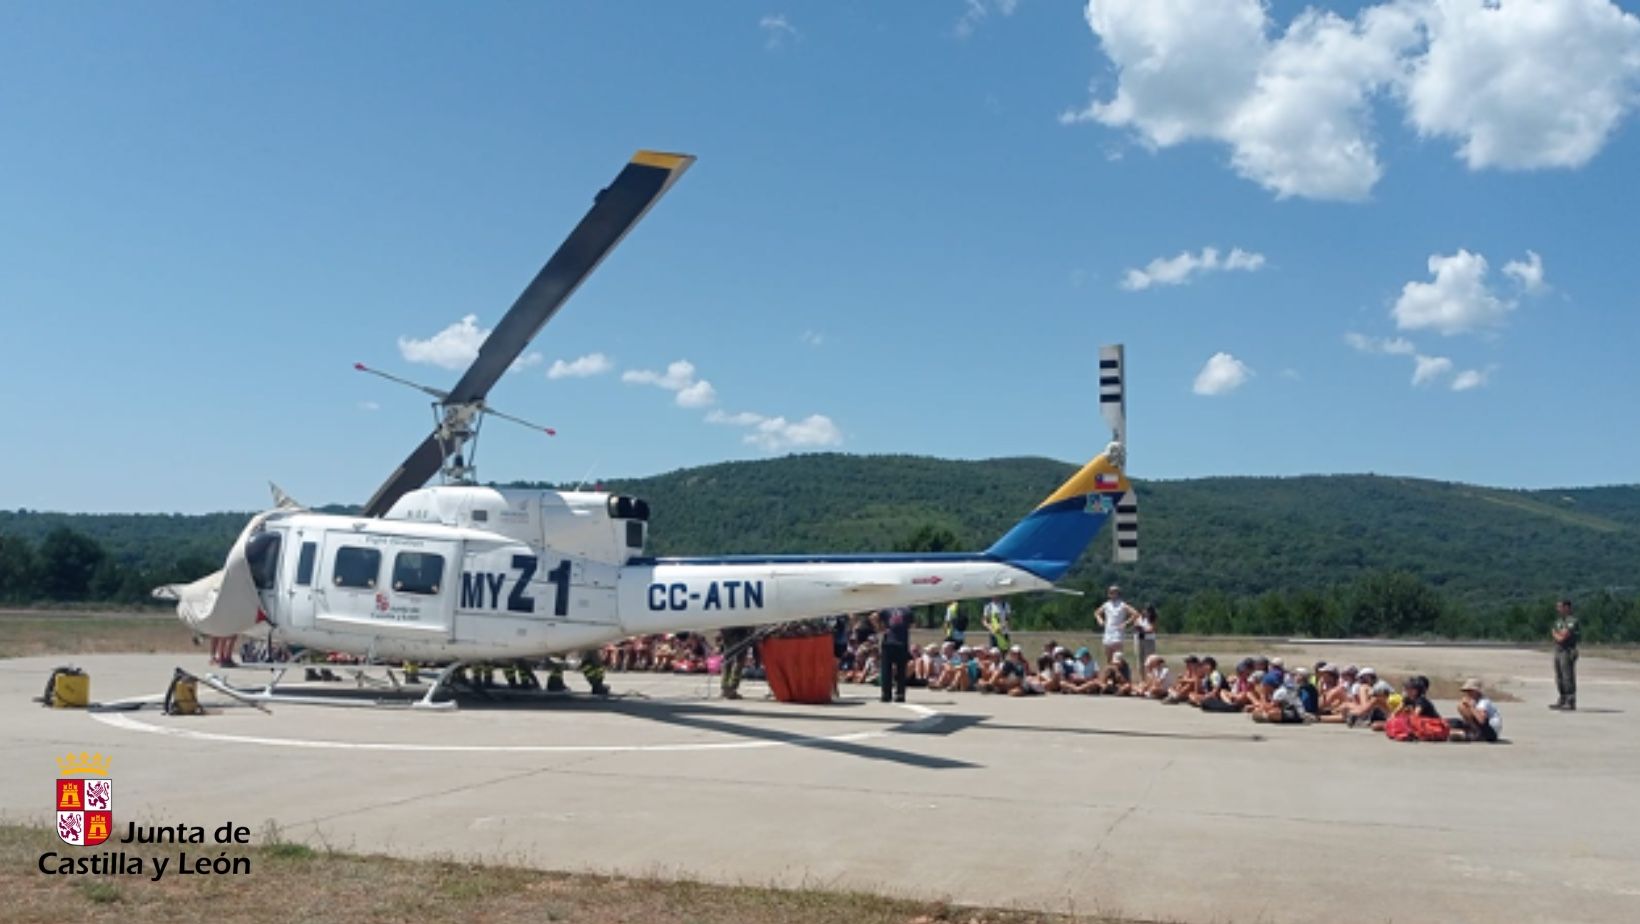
(592, 668)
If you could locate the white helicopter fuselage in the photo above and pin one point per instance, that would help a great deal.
(471, 573)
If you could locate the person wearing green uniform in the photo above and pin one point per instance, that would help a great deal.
(734, 659)
(1566, 635)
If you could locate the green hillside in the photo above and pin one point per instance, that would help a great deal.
(1242, 536)
(1335, 554)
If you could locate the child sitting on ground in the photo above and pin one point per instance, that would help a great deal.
(1478, 718)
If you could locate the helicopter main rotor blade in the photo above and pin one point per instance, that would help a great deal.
(419, 466)
(614, 212)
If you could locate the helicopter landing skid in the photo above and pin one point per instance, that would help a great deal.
(270, 693)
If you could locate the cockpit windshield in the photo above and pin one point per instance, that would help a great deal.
(262, 554)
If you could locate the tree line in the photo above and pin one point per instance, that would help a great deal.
(67, 566)
(1334, 555)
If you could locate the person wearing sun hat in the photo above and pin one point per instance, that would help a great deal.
(1478, 717)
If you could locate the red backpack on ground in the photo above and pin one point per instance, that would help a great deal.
(1399, 727)
(1408, 726)
(1429, 728)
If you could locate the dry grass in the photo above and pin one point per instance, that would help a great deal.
(24, 633)
(1628, 653)
(293, 883)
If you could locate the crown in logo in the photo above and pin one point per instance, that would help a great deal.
(75, 764)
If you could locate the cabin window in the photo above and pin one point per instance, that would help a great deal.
(356, 567)
(481, 516)
(262, 554)
(304, 563)
(634, 534)
(418, 573)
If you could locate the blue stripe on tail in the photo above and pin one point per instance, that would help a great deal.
(1052, 538)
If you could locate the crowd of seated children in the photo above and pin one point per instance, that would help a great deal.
(673, 653)
(1263, 687)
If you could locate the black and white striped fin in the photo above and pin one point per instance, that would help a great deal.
(1126, 528)
(1113, 390)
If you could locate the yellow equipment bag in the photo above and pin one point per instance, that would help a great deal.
(68, 688)
(182, 697)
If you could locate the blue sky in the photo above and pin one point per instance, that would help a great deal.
(917, 221)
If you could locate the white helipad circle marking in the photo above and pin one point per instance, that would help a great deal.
(127, 722)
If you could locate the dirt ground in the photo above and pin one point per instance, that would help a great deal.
(292, 882)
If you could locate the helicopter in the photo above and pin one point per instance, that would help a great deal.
(464, 573)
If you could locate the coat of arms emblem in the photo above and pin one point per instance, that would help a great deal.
(85, 800)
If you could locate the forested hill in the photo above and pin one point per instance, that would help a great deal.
(1225, 539)
(1241, 536)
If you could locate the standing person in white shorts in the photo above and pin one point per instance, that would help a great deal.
(1114, 616)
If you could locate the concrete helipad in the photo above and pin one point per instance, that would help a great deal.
(1061, 803)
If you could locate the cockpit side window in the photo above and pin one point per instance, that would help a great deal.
(356, 567)
(418, 573)
(262, 554)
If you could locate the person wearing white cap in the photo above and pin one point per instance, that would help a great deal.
(1478, 717)
(1157, 678)
(1060, 672)
(953, 669)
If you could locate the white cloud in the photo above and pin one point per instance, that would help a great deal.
(1470, 378)
(774, 434)
(777, 433)
(1530, 83)
(1528, 272)
(697, 394)
(456, 346)
(742, 419)
(679, 377)
(1177, 270)
(777, 30)
(1395, 346)
(975, 12)
(1222, 374)
(580, 367)
(1426, 370)
(1429, 368)
(1457, 301)
(814, 338)
(1244, 260)
(1527, 83)
(370, 406)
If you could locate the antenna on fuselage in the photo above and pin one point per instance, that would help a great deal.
(584, 478)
